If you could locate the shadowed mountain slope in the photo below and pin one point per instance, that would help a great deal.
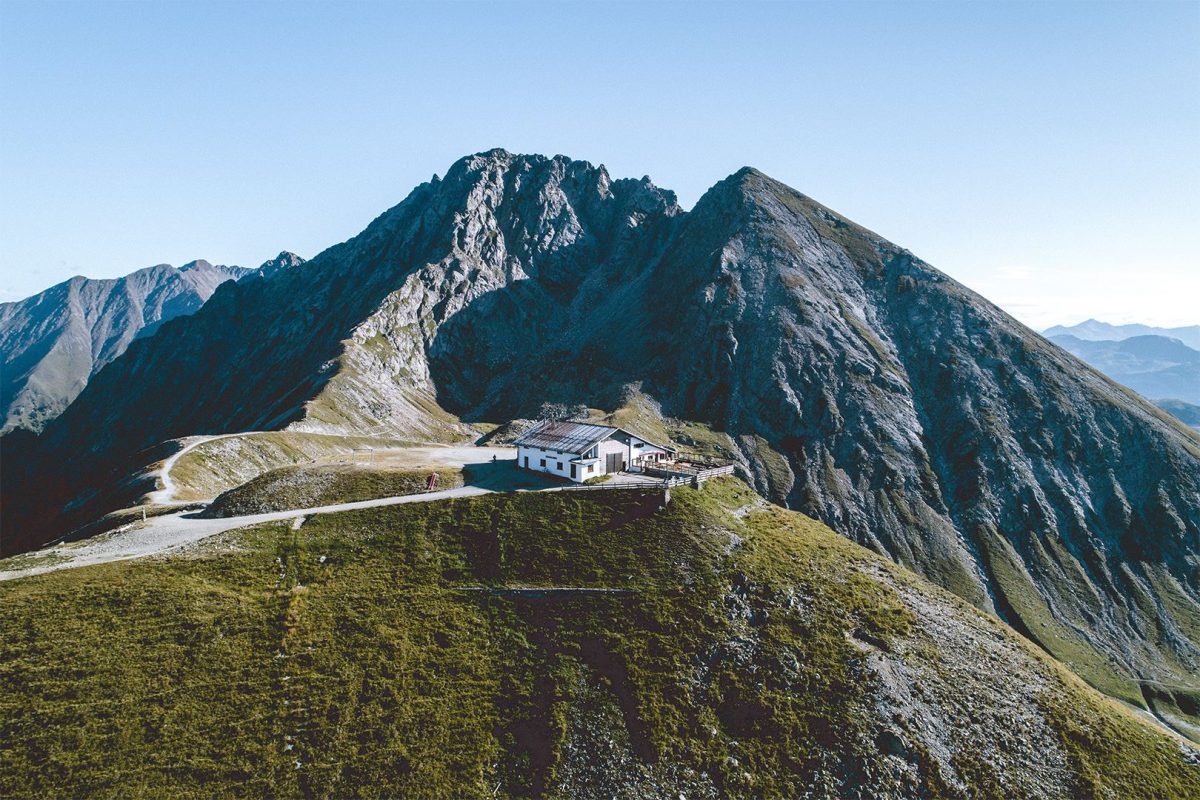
(52, 343)
(857, 383)
(872, 391)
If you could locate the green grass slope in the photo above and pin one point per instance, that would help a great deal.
(321, 485)
(582, 644)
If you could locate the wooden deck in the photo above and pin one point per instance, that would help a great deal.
(696, 473)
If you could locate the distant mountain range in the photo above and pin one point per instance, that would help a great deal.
(850, 380)
(1187, 412)
(51, 344)
(1156, 366)
(1094, 331)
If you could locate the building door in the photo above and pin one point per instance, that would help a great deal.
(615, 463)
(573, 472)
(526, 462)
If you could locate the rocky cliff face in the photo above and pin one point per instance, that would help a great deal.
(348, 340)
(279, 263)
(53, 342)
(859, 384)
(916, 417)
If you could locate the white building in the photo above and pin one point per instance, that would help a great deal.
(578, 451)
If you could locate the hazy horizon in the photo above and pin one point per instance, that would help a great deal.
(1057, 184)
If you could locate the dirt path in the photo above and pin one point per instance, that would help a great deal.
(166, 495)
(491, 469)
(430, 456)
(172, 532)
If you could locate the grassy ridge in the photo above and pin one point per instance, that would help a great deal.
(401, 652)
(320, 485)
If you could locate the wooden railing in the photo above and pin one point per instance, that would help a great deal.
(688, 471)
(665, 483)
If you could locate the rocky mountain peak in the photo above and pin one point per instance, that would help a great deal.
(543, 177)
(851, 380)
(285, 260)
(750, 197)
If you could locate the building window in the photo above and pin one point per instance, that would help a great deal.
(543, 463)
(591, 467)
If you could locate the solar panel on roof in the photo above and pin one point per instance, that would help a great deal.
(568, 437)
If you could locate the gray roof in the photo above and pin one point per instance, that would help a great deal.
(570, 436)
(566, 437)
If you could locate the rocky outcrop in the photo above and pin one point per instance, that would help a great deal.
(861, 385)
(284, 260)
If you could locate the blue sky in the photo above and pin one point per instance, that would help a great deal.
(1044, 154)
